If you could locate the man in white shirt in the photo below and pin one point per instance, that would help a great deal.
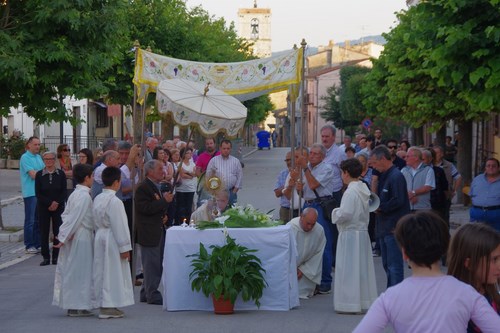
(420, 180)
(228, 169)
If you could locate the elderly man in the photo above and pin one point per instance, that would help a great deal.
(228, 169)
(394, 204)
(484, 193)
(316, 187)
(420, 180)
(208, 211)
(169, 145)
(110, 158)
(150, 208)
(334, 156)
(347, 143)
(151, 144)
(310, 239)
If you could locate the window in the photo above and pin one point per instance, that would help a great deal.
(101, 117)
(254, 24)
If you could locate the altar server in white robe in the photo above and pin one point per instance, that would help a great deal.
(310, 239)
(112, 279)
(355, 288)
(73, 278)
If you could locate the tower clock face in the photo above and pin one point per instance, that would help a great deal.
(254, 24)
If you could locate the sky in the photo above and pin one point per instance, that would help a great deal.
(318, 21)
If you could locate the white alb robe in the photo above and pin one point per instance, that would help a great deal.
(73, 278)
(310, 247)
(355, 287)
(112, 280)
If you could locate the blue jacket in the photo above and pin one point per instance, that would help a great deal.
(394, 202)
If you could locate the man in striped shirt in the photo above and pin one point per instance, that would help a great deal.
(228, 169)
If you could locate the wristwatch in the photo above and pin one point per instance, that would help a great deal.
(414, 194)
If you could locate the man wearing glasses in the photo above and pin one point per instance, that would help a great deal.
(31, 162)
(396, 160)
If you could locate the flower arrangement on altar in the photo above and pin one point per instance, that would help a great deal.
(241, 217)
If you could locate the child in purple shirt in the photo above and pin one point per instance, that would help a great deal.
(428, 301)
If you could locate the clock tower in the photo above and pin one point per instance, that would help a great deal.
(254, 25)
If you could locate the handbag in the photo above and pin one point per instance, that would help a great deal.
(327, 205)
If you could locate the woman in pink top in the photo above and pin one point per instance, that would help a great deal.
(474, 258)
(428, 301)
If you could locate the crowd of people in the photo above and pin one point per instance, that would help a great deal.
(324, 193)
(90, 205)
(415, 187)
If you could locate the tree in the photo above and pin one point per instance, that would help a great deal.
(441, 62)
(53, 49)
(344, 105)
(170, 29)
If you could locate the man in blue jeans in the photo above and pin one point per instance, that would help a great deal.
(394, 203)
(315, 182)
(30, 163)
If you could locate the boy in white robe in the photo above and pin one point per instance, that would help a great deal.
(73, 278)
(310, 239)
(112, 279)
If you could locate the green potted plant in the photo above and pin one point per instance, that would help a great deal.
(16, 146)
(226, 272)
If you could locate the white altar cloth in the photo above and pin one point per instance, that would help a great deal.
(276, 249)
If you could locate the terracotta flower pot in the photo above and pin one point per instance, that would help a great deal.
(222, 306)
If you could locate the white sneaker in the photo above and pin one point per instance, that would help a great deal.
(32, 250)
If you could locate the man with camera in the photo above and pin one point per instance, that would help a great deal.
(150, 207)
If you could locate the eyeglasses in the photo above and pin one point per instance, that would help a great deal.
(392, 147)
(49, 159)
(66, 149)
(82, 156)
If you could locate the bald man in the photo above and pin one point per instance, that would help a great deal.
(311, 240)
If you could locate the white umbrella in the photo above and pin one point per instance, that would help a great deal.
(196, 103)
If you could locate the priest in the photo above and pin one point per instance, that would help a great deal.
(208, 211)
(311, 241)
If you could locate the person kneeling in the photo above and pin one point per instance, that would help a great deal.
(311, 240)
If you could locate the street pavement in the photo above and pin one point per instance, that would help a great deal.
(26, 288)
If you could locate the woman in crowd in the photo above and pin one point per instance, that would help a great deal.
(474, 258)
(428, 301)
(97, 155)
(185, 190)
(85, 156)
(161, 155)
(175, 158)
(64, 163)
(50, 191)
(169, 174)
(355, 287)
(404, 145)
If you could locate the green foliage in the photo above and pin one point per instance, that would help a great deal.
(13, 147)
(258, 109)
(441, 62)
(53, 49)
(229, 270)
(344, 104)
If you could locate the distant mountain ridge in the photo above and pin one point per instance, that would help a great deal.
(375, 38)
